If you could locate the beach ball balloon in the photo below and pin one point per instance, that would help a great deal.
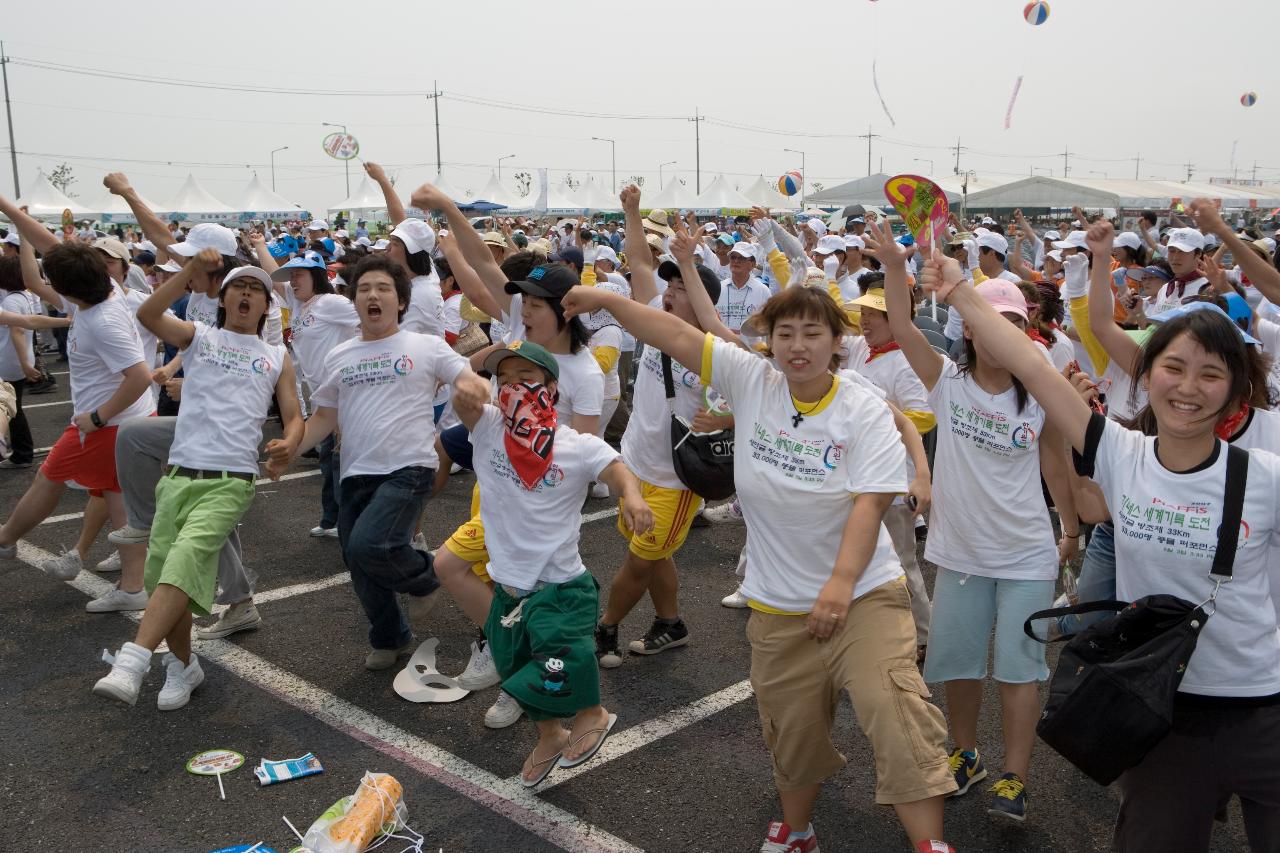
(1248, 99)
(790, 183)
(1036, 13)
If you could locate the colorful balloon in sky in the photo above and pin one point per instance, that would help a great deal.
(790, 183)
(1036, 13)
(1248, 99)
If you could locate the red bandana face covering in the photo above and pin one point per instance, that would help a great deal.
(530, 419)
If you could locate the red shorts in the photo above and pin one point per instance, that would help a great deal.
(88, 460)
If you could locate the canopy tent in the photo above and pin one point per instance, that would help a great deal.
(674, 196)
(560, 199)
(764, 194)
(496, 193)
(256, 201)
(367, 200)
(1041, 192)
(113, 209)
(593, 197)
(457, 195)
(194, 203)
(720, 197)
(45, 201)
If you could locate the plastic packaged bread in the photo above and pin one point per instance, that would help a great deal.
(354, 822)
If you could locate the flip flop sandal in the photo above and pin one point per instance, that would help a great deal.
(547, 765)
(604, 733)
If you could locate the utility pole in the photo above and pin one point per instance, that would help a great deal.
(1137, 161)
(1189, 171)
(697, 148)
(868, 136)
(957, 155)
(13, 151)
(1066, 163)
(1255, 171)
(435, 99)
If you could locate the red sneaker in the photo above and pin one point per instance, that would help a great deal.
(777, 840)
(934, 847)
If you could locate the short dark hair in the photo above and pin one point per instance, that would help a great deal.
(446, 272)
(11, 275)
(399, 275)
(78, 272)
(1149, 216)
(518, 266)
(808, 303)
(221, 319)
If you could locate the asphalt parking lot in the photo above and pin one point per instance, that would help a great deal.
(686, 769)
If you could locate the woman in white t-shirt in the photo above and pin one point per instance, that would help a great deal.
(819, 455)
(989, 534)
(1165, 483)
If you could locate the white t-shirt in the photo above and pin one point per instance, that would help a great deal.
(18, 302)
(425, 313)
(796, 483)
(736, 304)
(1063, 351)
(317, 326)
(532, 536)
(102, 343)
(892, 373)
(1268, 334)
(609, 336)
(617, 284)
(1166, 535)
(230, 379)
(383, 391)
(453, 322)
(848, 284)
(1263, 433)
(646, 443)
(202, 309)
(989, 517)
(1167, 298)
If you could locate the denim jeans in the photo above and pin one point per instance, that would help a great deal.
(330, 471)
(1097, 581)
(376, 517)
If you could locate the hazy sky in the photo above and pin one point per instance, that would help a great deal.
(1106, 79)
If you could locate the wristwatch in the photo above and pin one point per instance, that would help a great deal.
(97, 421)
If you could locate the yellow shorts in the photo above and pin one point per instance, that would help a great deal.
(467, 541)
(673, 512)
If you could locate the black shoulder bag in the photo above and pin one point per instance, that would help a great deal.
(703, 462)
(1112, 694)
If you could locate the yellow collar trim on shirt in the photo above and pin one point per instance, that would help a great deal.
(821, 404)
(764, 608)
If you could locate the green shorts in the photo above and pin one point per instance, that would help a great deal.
(546, 654)
(193, 519)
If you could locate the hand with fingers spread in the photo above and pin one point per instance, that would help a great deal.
(881, 245)
(683, 244)
(940, 275)
(1216, 275)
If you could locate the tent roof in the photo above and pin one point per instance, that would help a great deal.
(495, 192)
(719, 195)
(367, 198)
(457, 195)
(766, 195)
(112, 208)
(593, 197)
(259, 201)
(560, 199)
(1042, 191)
(674, 196)
(192, 201)
(44, 201)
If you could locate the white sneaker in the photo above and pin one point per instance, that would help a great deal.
(111, 564)
(735, 599)
(599, 490)
(128, 667)
(63, 567)
(481, 671)
(324, 532)
(241, 616)
(179, 681)
(129, 536)
(724, 514)
(117, 600)
(504, 712)
(419, 543)
(455, 468)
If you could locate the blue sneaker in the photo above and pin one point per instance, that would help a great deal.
(967, 771)
(1009, 798)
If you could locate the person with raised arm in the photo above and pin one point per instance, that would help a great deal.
(830, 610)
(1198, 370)
(231, 377)
(411, 243)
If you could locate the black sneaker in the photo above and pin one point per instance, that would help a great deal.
(607, 654)
(47, 386)
(660, 638)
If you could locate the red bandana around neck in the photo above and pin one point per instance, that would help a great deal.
(529, 416)
(1228, 427)
(874, 352)
(1035, 335)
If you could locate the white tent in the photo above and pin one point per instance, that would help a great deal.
(194, 203)
(560, 199)
(496, 193)
(457, 195)
(1046, 192)
(112, 208)
(256, 201)
(367, 199)
(44, 201)
(593, 197)
(766, 195)
(674, 196)
(720, 197)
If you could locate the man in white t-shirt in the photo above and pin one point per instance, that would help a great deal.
(378, 389)
(412, 242)
(742, 294)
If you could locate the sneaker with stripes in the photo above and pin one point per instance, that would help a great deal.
(662, 636)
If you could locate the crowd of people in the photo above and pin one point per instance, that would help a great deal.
(1021, 390)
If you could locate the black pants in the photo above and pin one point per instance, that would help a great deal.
(19, 429)
(1168, 801)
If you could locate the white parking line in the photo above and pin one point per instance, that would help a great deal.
(506, 797)
(26, 406)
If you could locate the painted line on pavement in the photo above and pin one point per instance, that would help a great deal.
(26, 405)
(505, 797)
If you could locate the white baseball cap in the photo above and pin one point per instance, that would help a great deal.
(817, 226)
(1055, 254)
(257, 274)
(1186, 239)
(381, 245)
(992, 240)
(1129, 240)
(169, 266)
(13, 239)
(364, 241)
(853, 241)
(317, 225)
(606, 253)
(341, 232)
(1075, 240)
(206, 235)
(828, 244)
(1052, 234)
(416, 235)
(745, 249)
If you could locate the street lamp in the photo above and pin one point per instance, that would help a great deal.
(346, 164)
(613, 159)
(924, 160)
(273, 165)
(660, 165)
(500, 159)
(804, 175)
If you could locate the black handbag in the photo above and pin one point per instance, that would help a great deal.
(702, 461)
(1112, 693)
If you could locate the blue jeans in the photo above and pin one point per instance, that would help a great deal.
(375, 527)
(330, 472)
(1097, 581)
(456, 442)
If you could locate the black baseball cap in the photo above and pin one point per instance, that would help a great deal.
(668, 270)
(549, 281)
(571, 255)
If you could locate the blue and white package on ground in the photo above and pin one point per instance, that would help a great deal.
(269, 772)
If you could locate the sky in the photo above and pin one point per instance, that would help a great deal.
(1107, 80)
